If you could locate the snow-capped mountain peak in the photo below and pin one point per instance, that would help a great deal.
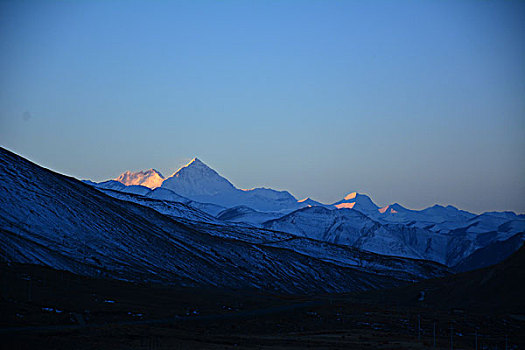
(357, 201)
(195, 162)
(196, 179)
(201, 183)
(149, 178)
(195, 166)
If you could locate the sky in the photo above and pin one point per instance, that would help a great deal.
(414, 102)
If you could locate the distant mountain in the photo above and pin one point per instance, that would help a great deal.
(57, 221)
(353, 228)
(357, 201)
(196, 179)
(436, 218)
(118, 190)
(200, 183)
(149, 178)
(422, 235)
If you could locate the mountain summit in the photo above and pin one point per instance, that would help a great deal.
(201, 183)
(198, 182)
(196, 162)
(149, 178)
(197, 179)
(357, 201)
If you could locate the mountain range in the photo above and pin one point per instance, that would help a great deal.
(446, 235)
(57, 221)
(196, 228)
(200, 183)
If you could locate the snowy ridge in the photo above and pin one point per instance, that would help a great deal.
(197, 179)
(244, 214)
(159, 194)
(176, 210)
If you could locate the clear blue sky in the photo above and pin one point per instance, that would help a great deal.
(414, 102)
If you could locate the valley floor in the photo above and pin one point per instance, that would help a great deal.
(49, 309)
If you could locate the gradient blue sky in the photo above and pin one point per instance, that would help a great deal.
(413, 102)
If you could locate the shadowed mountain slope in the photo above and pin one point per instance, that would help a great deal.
(497, 289)
(57, 221)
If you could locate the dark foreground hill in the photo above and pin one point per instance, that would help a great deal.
(496, 289)
(50, 309)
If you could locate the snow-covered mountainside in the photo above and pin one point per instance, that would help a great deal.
(491, 254)
(57, 221)
(449, 245)
(174, 209)
(118, 190)
(198, 180)
(244, 214)
(353, 228)
(149, 178)
(202, 184)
